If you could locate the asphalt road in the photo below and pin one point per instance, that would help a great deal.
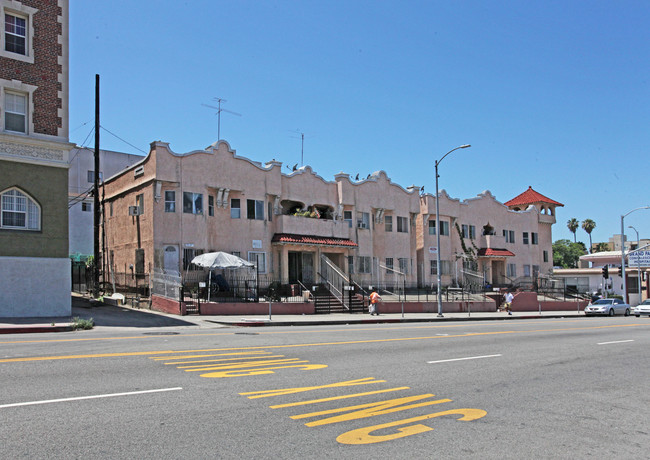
(573, 388)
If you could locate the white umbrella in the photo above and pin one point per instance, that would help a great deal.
(220, 260)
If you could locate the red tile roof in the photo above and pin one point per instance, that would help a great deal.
(489, 252)
(292, 238)
(530, 196)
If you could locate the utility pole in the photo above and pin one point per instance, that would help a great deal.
(96, 211)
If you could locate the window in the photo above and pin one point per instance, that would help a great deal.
(364, 264)
(527, 271)
(91, 177)
(269, 211)
(235, 208)
(432, 227)
(210, 205)
(188, 255)
(255, 209)
(350, 265)
(465, 230)
(15, 112)
(402, 225)
(511, 271)
(170, 201)
(19, 211)
(15, 34)
(509, 235)
(444, 227)
(472, 232)
(445, 267)
(388, 223)
(192, 203)
(86, 207)
(364, 220)
(403, 265)
(525, 237)
(389, 265)
(347, 217)
(545, 256)
(259, 259)
(535, 239)
(236, 253)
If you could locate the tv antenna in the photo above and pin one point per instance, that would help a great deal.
(219, 110)
(302, 145)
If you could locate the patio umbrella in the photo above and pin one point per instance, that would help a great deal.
(219, 259)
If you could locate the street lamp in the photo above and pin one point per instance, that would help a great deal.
(464, 146)
(623, 250)
(638, 269)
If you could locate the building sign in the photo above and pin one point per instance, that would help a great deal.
(433, 249)
(639, 258)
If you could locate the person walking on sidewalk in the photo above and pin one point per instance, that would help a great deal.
(508, 302)
(374, 301)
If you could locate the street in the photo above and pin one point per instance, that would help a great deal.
(551, 388)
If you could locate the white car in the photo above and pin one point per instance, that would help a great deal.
(643, 308)
(608, 307)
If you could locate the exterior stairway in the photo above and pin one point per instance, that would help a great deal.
(326, 302)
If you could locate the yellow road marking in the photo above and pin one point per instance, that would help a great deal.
(301, 345)
(336, 398)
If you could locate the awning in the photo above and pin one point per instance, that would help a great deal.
(604, 258)
(292, 238)
(489, 252)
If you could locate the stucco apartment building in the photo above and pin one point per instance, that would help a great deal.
(34, 152)
(170, 207)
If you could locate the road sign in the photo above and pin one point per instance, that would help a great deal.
(639, 258)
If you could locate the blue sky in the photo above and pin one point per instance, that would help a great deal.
(551, 94)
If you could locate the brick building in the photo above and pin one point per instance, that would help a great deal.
(34, 152)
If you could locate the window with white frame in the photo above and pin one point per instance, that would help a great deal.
(170, 201)
(91, 177)
(192, 203)
(19, 211)
(388, 223)
(15, 34)
(389, 265)
(15, 112)
(402, 225)
(16, 25)
(363, 220)
(403, 265)
(255, 209)
(511, 271)
(364, 264)
(444, 227)
(509, 235)
(259, 259)
(235, 208)
(445, 267)
(525, 238)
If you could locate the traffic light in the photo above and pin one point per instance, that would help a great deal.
(605, 272)
(620, 272)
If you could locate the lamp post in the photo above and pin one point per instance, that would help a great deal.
(623, 250)
(464, 146)
(638, 268)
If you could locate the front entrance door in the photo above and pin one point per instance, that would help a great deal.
(301, 267)
(171, 258)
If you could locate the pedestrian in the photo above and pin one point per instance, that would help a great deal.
(374, 301)
(508, 302)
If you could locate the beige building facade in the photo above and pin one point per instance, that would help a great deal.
(170, 207)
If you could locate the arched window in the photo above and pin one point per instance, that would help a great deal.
(19, 211)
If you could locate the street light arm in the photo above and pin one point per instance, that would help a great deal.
(464, 146)
(635, 209)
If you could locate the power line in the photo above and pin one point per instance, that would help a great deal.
(126, 142)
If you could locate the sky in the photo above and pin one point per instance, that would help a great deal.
(550, 94)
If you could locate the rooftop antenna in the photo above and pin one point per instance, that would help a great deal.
(302, 145)
(219, 110)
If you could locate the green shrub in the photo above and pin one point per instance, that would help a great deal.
(78, 323)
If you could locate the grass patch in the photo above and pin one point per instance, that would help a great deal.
(78, 323)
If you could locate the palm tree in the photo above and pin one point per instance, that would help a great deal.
(573, 225)
(588, 225)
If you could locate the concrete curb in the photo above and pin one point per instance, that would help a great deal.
(33, 329)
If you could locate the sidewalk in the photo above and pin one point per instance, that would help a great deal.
(106, 316)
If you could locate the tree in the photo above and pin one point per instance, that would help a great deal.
(588, 225)
(573, 225)
(600, 247)
(566, 254)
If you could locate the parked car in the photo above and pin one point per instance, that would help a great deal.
(643, 308)
(609, 307)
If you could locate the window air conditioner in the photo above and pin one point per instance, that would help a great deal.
(362, 224)
(134, 210)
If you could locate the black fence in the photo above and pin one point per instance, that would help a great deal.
(134, 287)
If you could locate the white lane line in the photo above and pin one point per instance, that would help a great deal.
(32, 403)
(618, 341)
(462, 359)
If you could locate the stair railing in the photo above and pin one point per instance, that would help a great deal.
(335, 280)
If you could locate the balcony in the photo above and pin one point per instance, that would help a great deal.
(311, 226)
(546, 219)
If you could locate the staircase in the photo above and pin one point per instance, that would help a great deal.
(325, 302)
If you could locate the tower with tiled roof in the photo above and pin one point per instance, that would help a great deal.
(544, 205)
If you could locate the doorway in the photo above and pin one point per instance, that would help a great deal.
(301, 267)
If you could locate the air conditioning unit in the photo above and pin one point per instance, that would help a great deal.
(134, 210)
(362, 224)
